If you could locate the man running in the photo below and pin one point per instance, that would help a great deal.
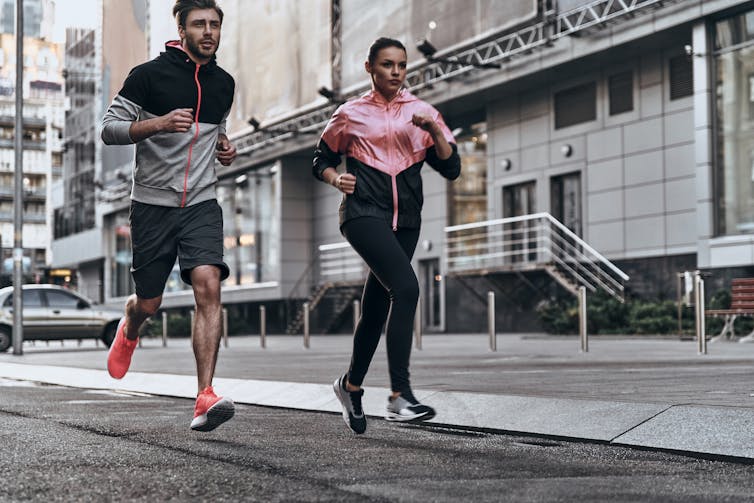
(174, 108)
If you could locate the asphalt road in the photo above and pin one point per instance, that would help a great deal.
(64, 444)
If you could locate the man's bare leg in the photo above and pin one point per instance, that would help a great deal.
(205, 339)
(137, 311)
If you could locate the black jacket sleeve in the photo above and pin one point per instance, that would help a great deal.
(449, 168)
(324, 157)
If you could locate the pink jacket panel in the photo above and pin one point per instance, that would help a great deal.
(379, 133)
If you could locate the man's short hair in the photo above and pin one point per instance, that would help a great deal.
(182, 8)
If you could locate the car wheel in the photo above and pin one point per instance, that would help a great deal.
(5, 339)
(108, 335)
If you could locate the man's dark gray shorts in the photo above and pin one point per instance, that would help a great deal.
(159, 234)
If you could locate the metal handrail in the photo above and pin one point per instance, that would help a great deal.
(525, 242)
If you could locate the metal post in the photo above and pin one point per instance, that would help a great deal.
(192, 324)
(491, 320)
(262, 327)
(225, 327)
(418, 325)
(306, 325)
(583, 337)
(18, 192)
(356, 314)
(164, 329)
(701, 336)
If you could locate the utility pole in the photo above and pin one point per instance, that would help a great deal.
(18, 193)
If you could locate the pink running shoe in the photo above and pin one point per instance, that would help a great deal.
(211, 410)
(119, 357)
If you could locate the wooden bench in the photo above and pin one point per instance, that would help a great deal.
(741, 304)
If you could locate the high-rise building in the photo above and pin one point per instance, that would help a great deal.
(39, 17)
(42, 156)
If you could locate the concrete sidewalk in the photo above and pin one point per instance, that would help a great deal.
(636, 391)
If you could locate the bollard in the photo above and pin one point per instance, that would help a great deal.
(306, 325)
(418, 324)
(225, 327)
(491, 320)
(583, 337)
(262, 327)
(164, 329)
(701, 336)
(356, 314)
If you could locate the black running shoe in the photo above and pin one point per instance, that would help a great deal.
(406, 408)
(353, 413)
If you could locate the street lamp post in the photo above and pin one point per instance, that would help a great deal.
(18, 196)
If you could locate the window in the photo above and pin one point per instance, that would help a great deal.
(621, 90)
(520, 200)
(681, 77)
(30, 298)
(565, 200)
(467, 196)
(734, 125)
(576, 105)
(62, 299)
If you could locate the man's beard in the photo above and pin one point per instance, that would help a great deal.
(198, 51)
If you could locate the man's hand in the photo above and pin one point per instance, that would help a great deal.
(226, 152)
(177, 121)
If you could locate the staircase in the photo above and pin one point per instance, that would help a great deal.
(531, 242)
(341, 274)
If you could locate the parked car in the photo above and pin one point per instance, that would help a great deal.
(54, 313)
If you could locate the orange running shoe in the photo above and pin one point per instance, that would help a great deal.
(119, 357)
(211, 410)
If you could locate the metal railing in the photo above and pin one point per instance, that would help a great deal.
(339, 263)
(531, 242)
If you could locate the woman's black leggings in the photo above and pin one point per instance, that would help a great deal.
(390, 293)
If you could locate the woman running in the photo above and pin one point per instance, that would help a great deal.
(386, 135)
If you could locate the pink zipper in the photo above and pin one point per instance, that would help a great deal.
(196, 134)
(393, 180)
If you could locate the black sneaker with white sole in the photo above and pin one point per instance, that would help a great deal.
(406, 408)
(353, 412)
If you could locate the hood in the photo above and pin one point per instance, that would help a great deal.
(175, 53)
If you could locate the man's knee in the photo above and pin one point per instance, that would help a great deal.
(148, 307)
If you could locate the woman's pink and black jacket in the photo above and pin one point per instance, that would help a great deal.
(172, 169)
(385, 152)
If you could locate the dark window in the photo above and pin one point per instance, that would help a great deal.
(681, 77)
(621, 89)
(30, 298)
(576, 105)
(61, 299)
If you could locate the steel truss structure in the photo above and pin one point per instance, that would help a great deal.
(594, 15)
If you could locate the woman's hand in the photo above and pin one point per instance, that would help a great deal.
(426, 123)
(345, 182)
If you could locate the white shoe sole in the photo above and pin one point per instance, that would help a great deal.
(409, 418)
(219, 413)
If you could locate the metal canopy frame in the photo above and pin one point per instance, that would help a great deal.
(594, 15)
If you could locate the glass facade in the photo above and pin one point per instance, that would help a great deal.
(467, 196)
(251, 223)
(734, 135)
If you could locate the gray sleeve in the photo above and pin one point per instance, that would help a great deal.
(117, 121)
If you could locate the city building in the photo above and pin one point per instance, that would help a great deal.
(43, 110)
(591, 132)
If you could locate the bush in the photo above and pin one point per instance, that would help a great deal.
(606, 315)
